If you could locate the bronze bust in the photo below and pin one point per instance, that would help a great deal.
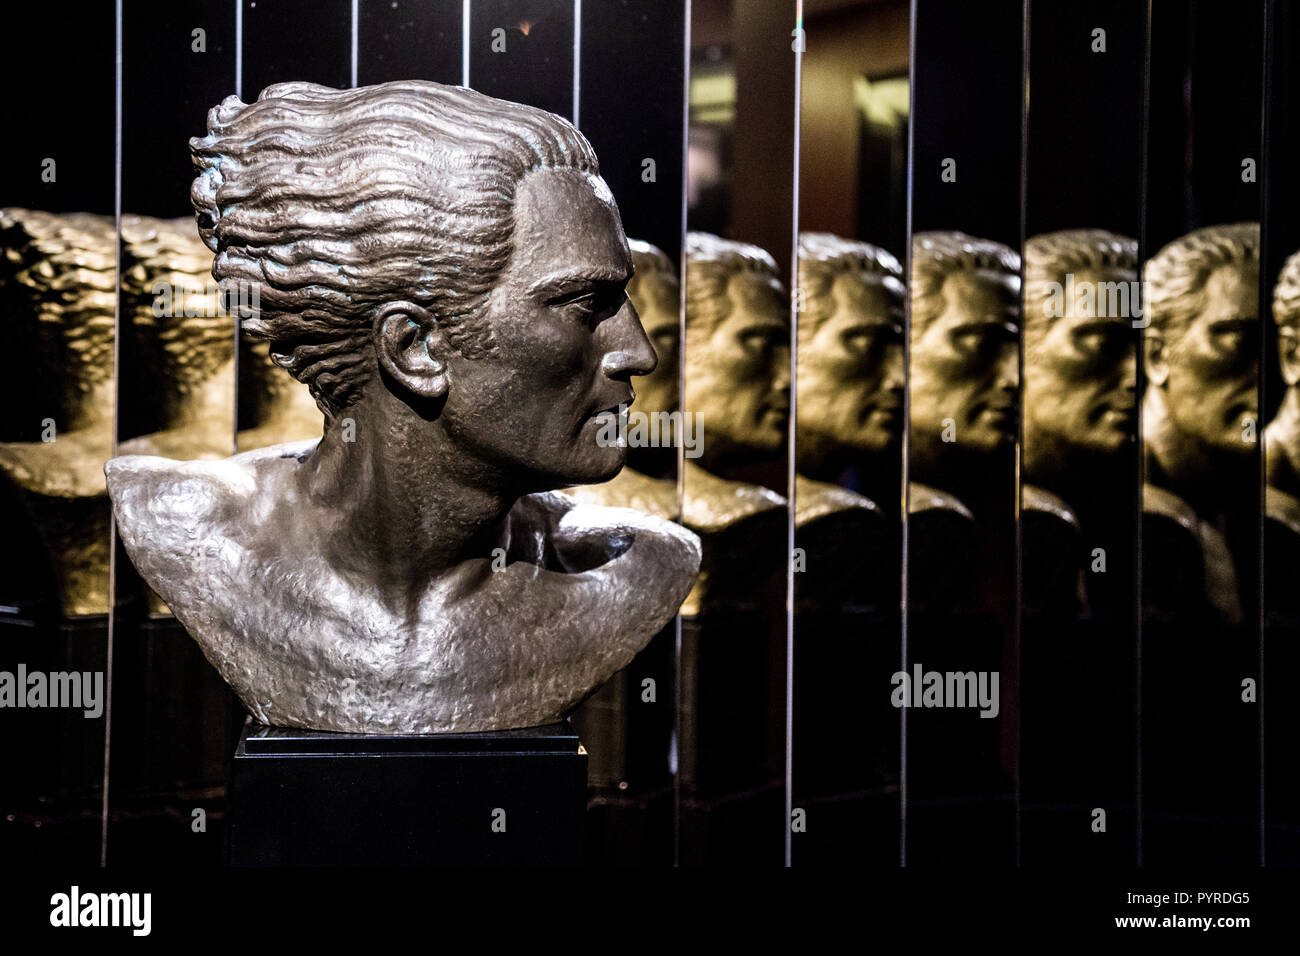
(1282, 437)
(738, 385)
(850, 360)
(1201, 355)
(446, 272)
(1282, 455)
(59, 287)
(1080, 417)
(964, 392)
(849, 425)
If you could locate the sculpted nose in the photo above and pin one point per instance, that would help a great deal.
(1128, 372)
(781, 369)
(1008, 369)
(629, 351)
(895, 376)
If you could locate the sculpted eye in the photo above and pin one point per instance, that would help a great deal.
(570, 298)
(591, 303)
(664, 341)
(1233, 336)
(1106, 339)
(863, 341)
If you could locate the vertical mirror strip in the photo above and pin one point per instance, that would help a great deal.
(58, 282)
(628, 725)
(959, 682)
(173, 716)
(736, 393)
(1079, 506)
(1201, 495)
(1280, 375)
(849, 423)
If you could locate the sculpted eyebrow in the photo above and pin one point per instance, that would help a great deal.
(565, 282)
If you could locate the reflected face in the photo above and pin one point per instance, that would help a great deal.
(739, 376)
(851, 369)
(1081, 376)
(1213, 367)
(566, 341)
(965, 365)
(655, 297)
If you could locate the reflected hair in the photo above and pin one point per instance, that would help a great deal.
(711, 263)
(1049, 258)
(1176, 275)
(824, 257)
(336, 202)
(651, 262)
(1286, 294)
(937, 256)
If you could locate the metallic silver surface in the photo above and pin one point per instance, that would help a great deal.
(446, 274)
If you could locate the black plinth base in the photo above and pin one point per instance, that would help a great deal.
(306, 798)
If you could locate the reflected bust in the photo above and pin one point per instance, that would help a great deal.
(1080, 418)
(446, 272)
(965, 373)
(849, 424)
(964, 393)
(1201, 356)
(58, 283)
(1281, 540)
(1080, 353)
(1282, 437)
(737, 352)
(656, 295)
(850, 363)
(737, 387)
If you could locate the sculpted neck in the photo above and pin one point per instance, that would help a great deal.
(397, 503)
(1210, 480)
(1282, 444)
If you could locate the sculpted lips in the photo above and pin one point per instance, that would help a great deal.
(777, 411)
(1001, 416)
(888, 411)
(614, 409)
(1124, 416)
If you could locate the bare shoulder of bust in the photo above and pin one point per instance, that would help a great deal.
(556, 531)
(168, 510)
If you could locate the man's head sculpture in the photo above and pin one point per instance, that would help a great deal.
(656, 293)
(965, 351)
(1282, 439)
(1286, 296)
(422, 241)
(446, 273)
(850, 354)
(1081, 301)
(1202, 344)
(1286, 316)
(737, 349)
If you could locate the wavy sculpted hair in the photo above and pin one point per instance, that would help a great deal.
(936, 256)
(1176, 275)
(711, 261)
(1050, 257)
(1286, 294)
(650, 262)
(335, 202)
(823, 257)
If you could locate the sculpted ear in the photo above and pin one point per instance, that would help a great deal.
(1288, 352)
(411, 349)
(1155, 358)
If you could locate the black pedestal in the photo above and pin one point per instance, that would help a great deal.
(306, 798)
